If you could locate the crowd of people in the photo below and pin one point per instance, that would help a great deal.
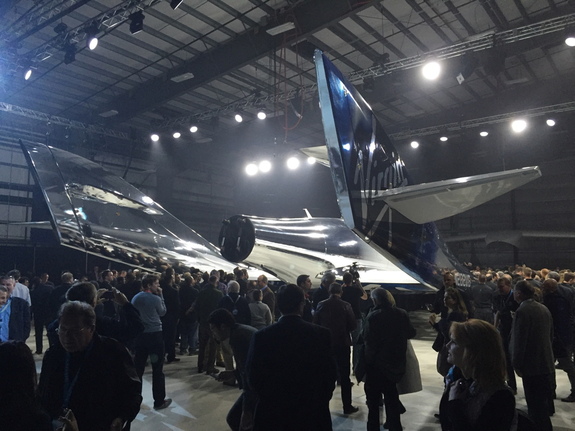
(105, 328)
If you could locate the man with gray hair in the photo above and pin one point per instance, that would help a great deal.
(91, 375)
(20, 290)
(385, 334)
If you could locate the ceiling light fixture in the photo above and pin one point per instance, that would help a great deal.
(265, 166)
(69, 53)
(194, 129)
(238, 118)
(136, 22)
(431, 70)
(550, 122)
(443, 139)
(28, 73)
(279, 29)
(483, 134)
(251, 169)
(311, 160)
(518, 126)
(155, 137)
(570, 37)
(91, 37)
(414, 144)
(292, 163)
(177, 135)
(262, 114)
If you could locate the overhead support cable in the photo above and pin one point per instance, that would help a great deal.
(475, 43)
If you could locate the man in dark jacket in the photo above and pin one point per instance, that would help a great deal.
(41, 309)
(14, 315)
(385, 334)
(337, 316)
(291, 369)
(91, 375)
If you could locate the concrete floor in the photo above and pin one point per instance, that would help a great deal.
(201, 403)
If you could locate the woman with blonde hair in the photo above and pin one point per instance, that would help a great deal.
(480, 400)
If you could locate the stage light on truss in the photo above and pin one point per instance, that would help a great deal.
(155, 137)
(91, 37)
(193, 129)
(238, 118)
(69, 53)
(550, 122)
(431, 70)
(174, 4)
(518, 126)
(483, 133)
(251, 169)
(177, 135)
(137, 22)
(414, 144)
(292, 163)
(265, 166)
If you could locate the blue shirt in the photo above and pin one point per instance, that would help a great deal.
(5, 320)
(151, 308)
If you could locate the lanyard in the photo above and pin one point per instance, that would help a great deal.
(69, 385)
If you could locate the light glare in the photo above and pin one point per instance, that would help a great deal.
(177, 135)
(155, 137)
(251, 169)
(93, 44)
(265, 166)
(311, 160)
(262, 115)
(28, 74)
(518, 126)
(431, 70)
(443, 139)
(194, 129)
(570, 41)
(414, 144)
(293, 163)
(483, 134)
(238, 118)
(550, 122)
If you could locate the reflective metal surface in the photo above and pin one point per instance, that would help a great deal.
(363, 162)
(295, 246)
(95, 211)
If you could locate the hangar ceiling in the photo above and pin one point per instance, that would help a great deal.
(206, 60)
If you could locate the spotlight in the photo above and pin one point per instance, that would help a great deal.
(431, 70)
(136, 22)
(28, 73)
(251, 169)
(293, 163)
(69, 53)
(414, 144)
(570, 37)
(176, 135)
(238, 118)
(483, 134)
(368, 84)
(155, 137)
(311, 160)
(262, 114)
(468, 64)
(174, 4)
(194, 129)
(265, 166)
(443, 139)
(518, 126)
(550, 122)
(91, 38)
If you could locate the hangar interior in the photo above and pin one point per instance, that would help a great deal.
(163, 70)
